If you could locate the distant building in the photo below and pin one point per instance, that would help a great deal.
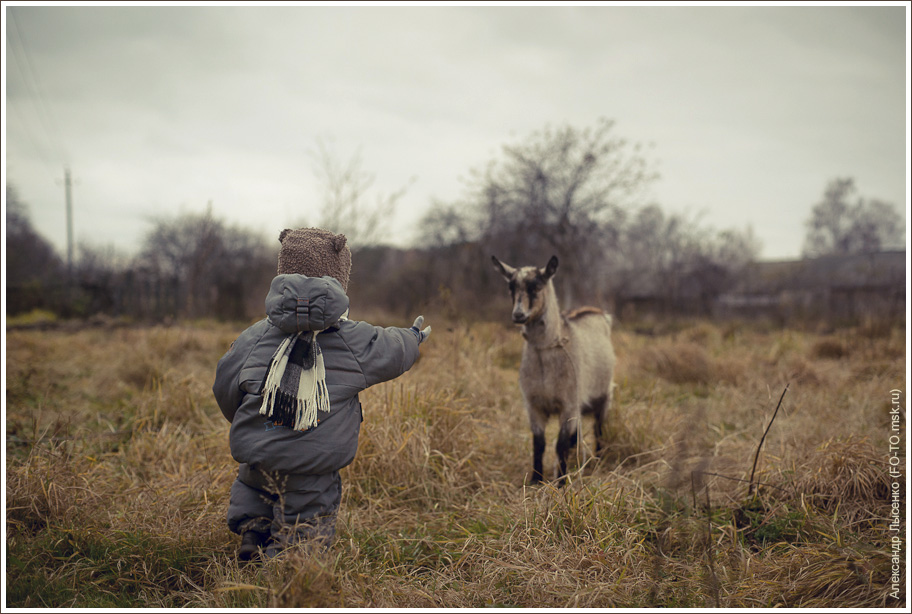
(841, 288)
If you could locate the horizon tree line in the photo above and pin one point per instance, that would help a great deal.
(579, 193)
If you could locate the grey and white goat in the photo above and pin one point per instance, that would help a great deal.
(567, 364)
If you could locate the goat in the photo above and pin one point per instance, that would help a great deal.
(567, 363)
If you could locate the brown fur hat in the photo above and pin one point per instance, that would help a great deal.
(315, 252)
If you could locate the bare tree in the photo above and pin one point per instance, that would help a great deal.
(99, 272)
(844, 223)
(675, 261)
(204, 268)
(579, 193)
(560, 191)
(447, 224)
(348, 206)
(35, 274)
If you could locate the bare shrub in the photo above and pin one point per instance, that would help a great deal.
(679, 362)
(830, 347)
(803, 371)
(847, 475)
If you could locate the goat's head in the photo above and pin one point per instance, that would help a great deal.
(528, 286)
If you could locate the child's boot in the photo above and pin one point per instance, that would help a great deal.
(251, 542)
(254, 535)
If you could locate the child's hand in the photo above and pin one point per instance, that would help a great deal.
(416, 328)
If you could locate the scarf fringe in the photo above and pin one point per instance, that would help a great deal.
(298, 412)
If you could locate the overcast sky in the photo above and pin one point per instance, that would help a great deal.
(751, 110)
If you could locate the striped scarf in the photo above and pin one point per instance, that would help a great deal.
(294, 389)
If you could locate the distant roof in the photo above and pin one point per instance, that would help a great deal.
(872, 270)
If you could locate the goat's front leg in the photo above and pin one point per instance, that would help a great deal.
(537, 422)
(566, 440)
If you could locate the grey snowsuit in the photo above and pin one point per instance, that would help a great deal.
(288, 482)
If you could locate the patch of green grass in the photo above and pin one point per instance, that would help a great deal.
(31, 318)
(418, 550)
(100, 568)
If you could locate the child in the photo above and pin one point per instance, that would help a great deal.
(289, 386)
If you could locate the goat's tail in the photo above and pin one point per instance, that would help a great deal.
(608, 318)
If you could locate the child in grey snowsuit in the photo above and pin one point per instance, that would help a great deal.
(289, 386)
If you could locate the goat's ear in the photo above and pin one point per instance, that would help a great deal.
(551, 268)
(504, 269)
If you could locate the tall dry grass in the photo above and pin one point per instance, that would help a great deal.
(118, 474)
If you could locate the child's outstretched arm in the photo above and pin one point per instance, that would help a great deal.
(384, 353)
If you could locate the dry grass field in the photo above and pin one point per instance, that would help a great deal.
(118, 471)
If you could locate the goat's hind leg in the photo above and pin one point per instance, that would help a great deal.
(566, 440)
(599, 408)
(538, 451)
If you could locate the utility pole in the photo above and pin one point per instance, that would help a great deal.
(68, 184)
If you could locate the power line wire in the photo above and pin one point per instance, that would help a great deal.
(25, 124)
(33, 140)
(34, 90)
